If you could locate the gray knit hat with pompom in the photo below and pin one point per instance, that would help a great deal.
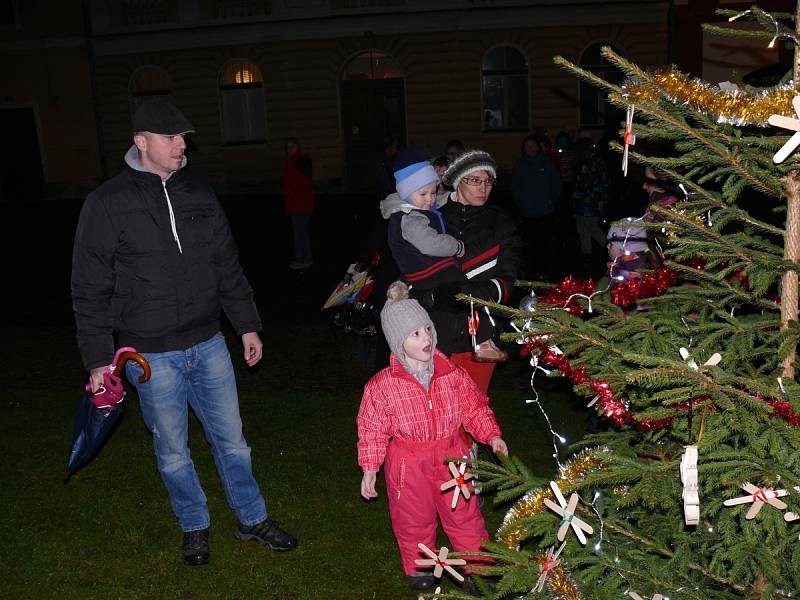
(401, 316)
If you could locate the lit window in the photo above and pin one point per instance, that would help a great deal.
(504, 87)
(241, 89)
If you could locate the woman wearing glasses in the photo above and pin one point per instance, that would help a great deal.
(491, 260)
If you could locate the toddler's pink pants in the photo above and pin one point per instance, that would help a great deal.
(414, 472)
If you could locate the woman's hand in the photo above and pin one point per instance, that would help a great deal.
(498, 445)
(368, 484)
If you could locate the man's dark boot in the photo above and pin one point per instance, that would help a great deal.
(195, 547)
(268, 533)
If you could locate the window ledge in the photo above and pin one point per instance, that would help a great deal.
(255, 143)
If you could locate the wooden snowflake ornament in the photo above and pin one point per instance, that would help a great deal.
(791, 124)
(636, 596)
(759, 497)
(459, 482)
(440, 562)
(691, 496)
(551, 561)
(567, 513)
(628, 139)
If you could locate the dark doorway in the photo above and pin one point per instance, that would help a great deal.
(373, 109)
(21, 172)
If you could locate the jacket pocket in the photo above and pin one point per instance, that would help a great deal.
(401, 475)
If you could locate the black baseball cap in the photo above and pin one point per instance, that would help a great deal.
(161, 117)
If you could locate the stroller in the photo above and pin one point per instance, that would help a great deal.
(355, 312)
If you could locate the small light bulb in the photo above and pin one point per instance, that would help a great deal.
(561, 439)
(596, 496)
(710, 530)
(597, 547)
(771, 43)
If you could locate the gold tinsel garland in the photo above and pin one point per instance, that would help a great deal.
(532, 503)
(736, 107)
(560, 584)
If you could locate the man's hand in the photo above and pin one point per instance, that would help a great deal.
(252, 348)
(368, 485)
(498, 445)
(96, 378)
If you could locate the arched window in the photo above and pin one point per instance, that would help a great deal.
(504, 81)
(150, 83)
(595, 110)
(371, 65)
(241, 90)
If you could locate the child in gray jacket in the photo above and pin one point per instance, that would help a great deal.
(424, 252)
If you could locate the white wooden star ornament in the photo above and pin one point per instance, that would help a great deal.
(459, 482)
(551, 561)
(791, 124)
(713, 361)
(566, 510)
(440, 562)
(759, 497)
(636, 596)
(691, 496)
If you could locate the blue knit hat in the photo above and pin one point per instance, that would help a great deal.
(412, 172)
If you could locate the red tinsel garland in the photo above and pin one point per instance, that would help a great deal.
(646, 286)
(561, 295)
(614, 409)
(625, 294)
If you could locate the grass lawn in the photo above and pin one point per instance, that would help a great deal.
(109, 533)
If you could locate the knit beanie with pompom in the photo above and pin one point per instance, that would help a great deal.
(401, 316)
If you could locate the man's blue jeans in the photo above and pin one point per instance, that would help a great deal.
(201, 377)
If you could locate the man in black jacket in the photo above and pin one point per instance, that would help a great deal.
(154, 261)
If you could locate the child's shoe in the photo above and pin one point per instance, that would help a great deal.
(422, 582)
(487, 352)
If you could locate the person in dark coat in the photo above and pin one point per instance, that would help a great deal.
(536, 190)
(298, 201)
(154, 262)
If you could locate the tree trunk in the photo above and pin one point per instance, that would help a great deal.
(791, 252)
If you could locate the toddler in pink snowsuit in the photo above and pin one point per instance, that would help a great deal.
(409, 418)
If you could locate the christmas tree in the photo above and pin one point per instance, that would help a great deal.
(692, 364)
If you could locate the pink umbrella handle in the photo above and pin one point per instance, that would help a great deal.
(119, 353)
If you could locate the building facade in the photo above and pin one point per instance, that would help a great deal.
(47, 111)
(343, 75)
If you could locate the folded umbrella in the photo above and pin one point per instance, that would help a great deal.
(99, 411)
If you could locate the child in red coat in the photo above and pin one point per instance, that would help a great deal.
(409, 418)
